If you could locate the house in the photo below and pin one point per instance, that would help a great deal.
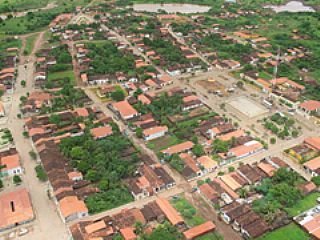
(179, 148)
(170, 212)
(207, 164)
(72, 208)
(10, 161)
(251, 173)
(312, 167)
(125, 110)
(199, 230)
(309, 221)
(154, 132)
(15, 209)
(191, 169)
(209, 193)
(313, 143)
(128, 233)
(191, 102)
(234, 180)
(143, 99)
(309, 108)
(232, 211)
(101, 132)
(245, 150)
(235, 134)
(255, 229)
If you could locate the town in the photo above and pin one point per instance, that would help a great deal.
(134, 120)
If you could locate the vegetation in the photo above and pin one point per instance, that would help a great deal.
(280, 192)
(17, 179)
(101, 162)
(41, 174)
(281, 125)
(303, 205)
(295, 232)
(1, 184)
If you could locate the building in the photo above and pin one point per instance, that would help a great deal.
(199, 230)
(154, 132)
(170, 212)
(179, 148)
(125, 110)
(72, 208)
(15, 209)
(101, 132)
(313, 166)
(10, 161)
(207, 163)
(309, 108)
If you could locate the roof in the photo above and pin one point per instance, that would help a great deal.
(246, 149)
(125, 109)
(82, 112)
(15, 207)
(100, 132)
(230, 181)
(267, 168)
(234, 134)
(128, 233)
(144, 99)
(154, 130)
(178, 148)
(190, 98)
(72, 205)
(95, 226)
(313, 142)
(208, 191)
(169, 211)
(313, 164)
(10, 162)
(199, 230)
(311, 105)
(207, 162)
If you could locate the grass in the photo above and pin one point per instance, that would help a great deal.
(188, 212)
(61, 75)
(291, 231)
(30, 44)
(303, 205)
(210, 236)
(163, 142)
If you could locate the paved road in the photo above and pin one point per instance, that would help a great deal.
(48, 224)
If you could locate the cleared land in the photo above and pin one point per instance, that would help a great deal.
(247, 107)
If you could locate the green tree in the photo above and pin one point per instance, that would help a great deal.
(316, 180)
(33, 155)
(273, 140)
(17, 179)
(41, 174)
(1, 184)
(118, 95)
(219, 146)
(139, 132)
(198, 150)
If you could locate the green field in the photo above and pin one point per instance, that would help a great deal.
(163, 142)
(289, 232)
(303, 205)
(30, 44)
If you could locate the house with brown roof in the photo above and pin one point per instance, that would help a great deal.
(101, 132)
(178, 148)
(232, 211)
(199, 230)
(251, 173)
(170, 212)
(191, 169)
(10, 162)
(124, 110)
(15, 209)
(309, 108)
(312, 166)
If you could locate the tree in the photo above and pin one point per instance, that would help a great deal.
(316, 180)
(273, 140)
(118, 95)
(17, 179)
(240, 84)
(219, 146)
(198, 150)
(33, 155)
(1, 184)
(231, 169)
(41, 174)
(23, 83)
(139, 132)
(176, 162)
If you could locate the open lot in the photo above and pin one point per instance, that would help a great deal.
(248, 107)
(292, 232)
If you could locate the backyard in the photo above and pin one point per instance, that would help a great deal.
(283, 233)
(303, 205)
